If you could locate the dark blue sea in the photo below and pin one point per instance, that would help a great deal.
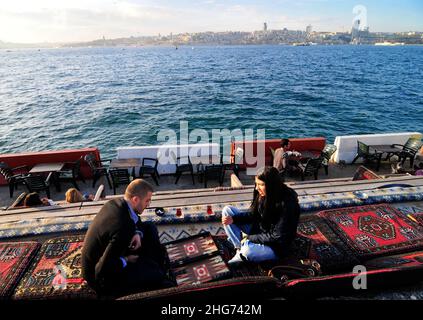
(109, 97)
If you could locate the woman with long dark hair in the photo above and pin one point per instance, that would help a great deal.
(267, 229)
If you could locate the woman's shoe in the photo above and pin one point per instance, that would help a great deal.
(237, 258)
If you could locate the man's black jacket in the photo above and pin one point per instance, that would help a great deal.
(106, 241)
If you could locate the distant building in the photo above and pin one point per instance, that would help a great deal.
(265, 27)
(309, 29)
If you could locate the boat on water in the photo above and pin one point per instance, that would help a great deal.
(387, 43)
(301, 44)
(370, 226)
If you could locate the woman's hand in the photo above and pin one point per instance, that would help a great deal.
(226, 220)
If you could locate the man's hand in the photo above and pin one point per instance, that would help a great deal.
(131, 258)
(135, 242)
(227, 220)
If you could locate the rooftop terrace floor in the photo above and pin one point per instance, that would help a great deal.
(167, 182)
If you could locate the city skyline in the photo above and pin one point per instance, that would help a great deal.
(26, 21)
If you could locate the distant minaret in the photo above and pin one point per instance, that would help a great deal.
(265, 27)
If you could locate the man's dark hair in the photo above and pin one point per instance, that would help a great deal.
(32, 199)
(284, 142)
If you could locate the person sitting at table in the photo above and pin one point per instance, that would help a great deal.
(283, 159)
(34, 200)
(398, 168)
(73, 195)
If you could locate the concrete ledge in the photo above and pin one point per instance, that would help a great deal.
(199, 153)
(347, 145)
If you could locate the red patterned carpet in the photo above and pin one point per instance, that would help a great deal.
(417, 217)
(375, 230)
(315, 240)
(56, 272)
(14, 260)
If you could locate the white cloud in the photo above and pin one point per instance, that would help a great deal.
(83, 20)
(48, 20)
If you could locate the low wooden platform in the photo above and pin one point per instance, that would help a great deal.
(181, 198)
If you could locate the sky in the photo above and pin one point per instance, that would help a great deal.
(32, 21)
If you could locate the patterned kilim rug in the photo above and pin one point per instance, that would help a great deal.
(208, 213)
(413, 259)
(312, 242)
(375, 229)
(414, 213)
(56, 272)
(15, 258)
(418, 218)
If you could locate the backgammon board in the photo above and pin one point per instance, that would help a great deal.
(209, 269)
(189, 249)
(196, 260)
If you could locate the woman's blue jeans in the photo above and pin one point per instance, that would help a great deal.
(254, 252)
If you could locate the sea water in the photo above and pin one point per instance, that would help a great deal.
(110, 97)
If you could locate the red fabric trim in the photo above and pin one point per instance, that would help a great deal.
(294, 282)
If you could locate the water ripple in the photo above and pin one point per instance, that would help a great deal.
(109, 97)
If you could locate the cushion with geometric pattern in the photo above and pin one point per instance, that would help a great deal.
(56, 272)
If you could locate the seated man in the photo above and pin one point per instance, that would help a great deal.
(282, 161)
(121, 254)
